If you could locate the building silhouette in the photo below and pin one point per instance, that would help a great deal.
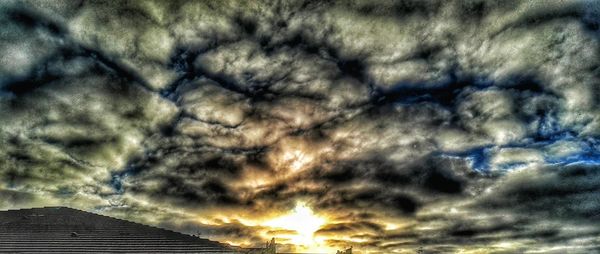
(67, 230)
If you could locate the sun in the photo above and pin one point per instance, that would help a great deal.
(303, 221)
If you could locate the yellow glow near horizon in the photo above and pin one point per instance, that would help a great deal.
(294, 230)
(303, 221)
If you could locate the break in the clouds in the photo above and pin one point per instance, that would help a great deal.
(390, 126)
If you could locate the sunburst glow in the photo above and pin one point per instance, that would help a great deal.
(303, 221)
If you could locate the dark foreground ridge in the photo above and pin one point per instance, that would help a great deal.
(67, 230)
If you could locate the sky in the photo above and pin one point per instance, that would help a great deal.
(387, 126)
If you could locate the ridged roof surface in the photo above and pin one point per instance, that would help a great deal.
(67, 230)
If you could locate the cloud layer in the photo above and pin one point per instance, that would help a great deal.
(444, 126)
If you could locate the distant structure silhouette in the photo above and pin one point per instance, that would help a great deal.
(347, 251)
(269, 248)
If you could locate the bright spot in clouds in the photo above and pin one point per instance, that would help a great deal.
(296, 159)
(302, 220)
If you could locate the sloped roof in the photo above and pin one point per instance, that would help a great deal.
(67, 230)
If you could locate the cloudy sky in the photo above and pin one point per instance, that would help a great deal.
(389, 126)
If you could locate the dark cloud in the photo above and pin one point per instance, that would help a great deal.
(563, 192)
(350, 228)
